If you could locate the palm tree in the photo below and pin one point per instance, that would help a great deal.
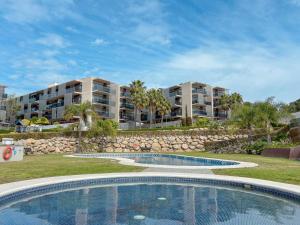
(164, 107)
(235, 99)
(140, 100)
(84, 113)
(154, 98)
(225, 102)
(137, 88)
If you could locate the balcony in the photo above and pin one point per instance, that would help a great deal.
(125, 94)
(127, 105)
(55, 105)
(175, 93)
(199, 113)
(176, 114)
(126, 117)
(99, 87)
(102, 113)
(74, 89)
(218, 94)
(3, 96)
(100, 100)
(32, 100)
(199, 91)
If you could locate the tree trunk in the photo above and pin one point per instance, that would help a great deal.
(135, 116)
(269, 138)
(150, 117)
(140, 119)
(162, 120)
(78, 149)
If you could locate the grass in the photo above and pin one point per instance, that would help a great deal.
(37, 166)
(274, 169)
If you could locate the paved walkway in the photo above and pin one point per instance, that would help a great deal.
(197, 171)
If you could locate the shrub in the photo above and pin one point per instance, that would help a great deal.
(26, 122)
(202, 122)
(34, 120)
(257, 147)
(42, 121)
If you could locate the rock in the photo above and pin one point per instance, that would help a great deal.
(184, 146)
(156, 147)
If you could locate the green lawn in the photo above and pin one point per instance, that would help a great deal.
(38, 166)
(275, 169)
(281, 170)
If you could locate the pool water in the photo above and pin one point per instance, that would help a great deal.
(162, 159)
(179, 161)
(152, 204)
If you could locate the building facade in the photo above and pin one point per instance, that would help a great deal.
(194, 99)
(112, 101)
(3, 97)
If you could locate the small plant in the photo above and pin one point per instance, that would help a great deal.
(257, 147)
(202, 122)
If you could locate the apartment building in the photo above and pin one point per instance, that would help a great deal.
(112, 101)
(3, 97)
(194, 99)
(52, 101)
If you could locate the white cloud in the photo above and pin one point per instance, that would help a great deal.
(53, 40)
(72, 29)
(99, 41)
(255, 71)
(31, 11)
(149, 22)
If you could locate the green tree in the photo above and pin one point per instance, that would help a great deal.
(84, 112)
(12, 108)
(137, 90)
(268, 114)
(140, 101)
(228, 102)
(103, 129)
(154, 98)
(164, 107)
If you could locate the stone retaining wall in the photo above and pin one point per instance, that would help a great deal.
(160, 143)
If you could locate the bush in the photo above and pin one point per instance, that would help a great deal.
(257, 147)
(42, 121)
(34, 120)
(202, 122)
(26, 122)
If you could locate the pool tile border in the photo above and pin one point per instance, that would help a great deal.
(44, 186)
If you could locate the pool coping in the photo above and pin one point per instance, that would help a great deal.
(131, 162)
(10, 188)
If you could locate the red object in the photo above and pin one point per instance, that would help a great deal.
(7, 153)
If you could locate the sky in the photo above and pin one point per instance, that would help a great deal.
(250, 47)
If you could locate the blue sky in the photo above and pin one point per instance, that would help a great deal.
(247, 46)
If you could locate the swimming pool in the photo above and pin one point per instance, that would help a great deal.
(168, 160)
(148, 199)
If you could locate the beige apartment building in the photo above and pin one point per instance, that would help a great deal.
(3, 97)
(112, 101)
(52, 101)
(194, 99)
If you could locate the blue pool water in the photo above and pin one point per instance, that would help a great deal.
(163, 159)
(152, 204)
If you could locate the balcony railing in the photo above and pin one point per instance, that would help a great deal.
(126, 117)
(3, 96)
(127, 105)
(218, 94)
(74, 89)
(55, 105)
(99, 87)
(176, 113)
(199, 112)
(172, 94)
(125, 94)
(100, 100)
(199, 91)
(102, 113)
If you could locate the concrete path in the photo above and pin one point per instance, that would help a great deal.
(165, 170)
